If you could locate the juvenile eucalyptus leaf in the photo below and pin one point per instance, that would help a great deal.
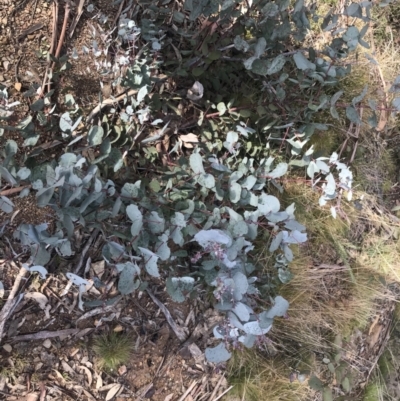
(279, 308)
(254, 329)
(162, 248)
(126, 282)
(276, 242)
(217, 354)
(136, 217)
(235, 191)
(65, 248)
(156, 223)
(6, 205)
(268, 204)
(315, 383)
(6, 175)
(196, 163)
(302, 63)
(241, 283)
(177, 286)
(130, 190)
(276, 65)
(206, 180)
(352, 115)
(38, 269)
(241, 44)
(44, 196)
(23, 173)
(150, 262)
(95, 135)
(279, 171)
(241, 312)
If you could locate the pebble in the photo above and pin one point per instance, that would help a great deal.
(47, 343)
(7, 347)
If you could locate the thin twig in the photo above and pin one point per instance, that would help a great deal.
(221, 395)
(12, 191)
(109, 102)
(52, 47)
(85, 250)
(45, 334)
(8, 306)
(64, 29)
(187, 392)
(78, 15)
(118, 13)
(179, 332)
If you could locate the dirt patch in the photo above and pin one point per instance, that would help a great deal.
(48, 348)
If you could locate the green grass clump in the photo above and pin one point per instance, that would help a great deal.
(113, 350)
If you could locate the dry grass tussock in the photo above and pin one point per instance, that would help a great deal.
(256, 378)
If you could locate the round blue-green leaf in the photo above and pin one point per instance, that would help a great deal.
(276, 65)
(206, 180)
(217, 354)
(279, 308)
(66, 122)
(235, 191)
(24, 173)
(95, 135)
(196, 163)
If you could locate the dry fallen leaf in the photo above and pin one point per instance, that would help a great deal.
(99, 381)
(196, 91)
(18, 86)
(32, 397)
(188, 139)
(88, 374)
(113, 391)
(169, 397)
(122, 370)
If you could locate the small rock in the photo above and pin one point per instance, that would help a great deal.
(47, 343)
(7, 347)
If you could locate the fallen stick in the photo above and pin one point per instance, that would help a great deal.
(109, 102)
(45, 334)
(187, 392)
(78, 15)
(12, 191)
(52, 47)
(8, 306)
(85, 250)
(179, 332)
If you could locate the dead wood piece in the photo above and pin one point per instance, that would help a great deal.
(222, 394)
(179, 331)
(31, 29)
(11, 301)
(45, 334)
(100, 310)
(8, 192)
(86, 249)
(109, 102)
(188, 391)
(78, 15)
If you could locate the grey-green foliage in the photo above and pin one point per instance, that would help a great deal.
(215, 203)
(212, 201)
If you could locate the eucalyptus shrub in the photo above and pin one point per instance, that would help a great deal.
(195, 223)
(196, 228)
